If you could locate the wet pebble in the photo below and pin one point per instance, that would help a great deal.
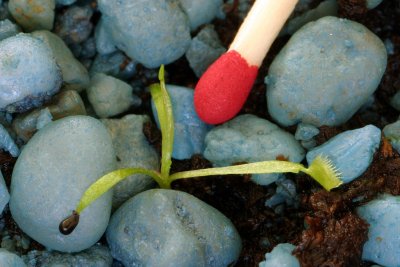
(8, 259)
(29, 71)
(75, 75)
(33, 14)
(132, 150)
(54, 169)
(190, 233)
(8, 29)
(392, 133)
(7, 143)
(131, 29)
(299, 90)
(65, 2)
(248, 138)
(115, 64)
(190, 131)
(204, 49)
(95, 256)
(351, 152)
(281, 256)
(4, 195)
(371, 4)
(383, 215)
(110, 96)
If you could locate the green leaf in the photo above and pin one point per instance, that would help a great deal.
(166, 119)
(107, 181)
(321, 169)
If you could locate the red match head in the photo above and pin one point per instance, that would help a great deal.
(224, 87)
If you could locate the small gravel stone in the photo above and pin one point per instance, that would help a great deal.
(29, 73)
(395, 101)
(190, 131)
(383, 215)
(351, 152)
(7, 143)
(281, 256)
(392, 132)
(171, 228)
(110, 96)
(4, 195)
(74, 74)
(200, 12)
(300, 90)
(33, 14)
(8, 29)
(44, 118)
(204, 49)
(152, 32)
(132, 150)
(371, 4)
(111, 64)
(51, 174)
(66, 103)
(248, 138)
(305, 132)
(95, 256)
(8, 259)
(74, 25)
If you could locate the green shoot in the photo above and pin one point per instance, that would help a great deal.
(321, 169)
(166, 119)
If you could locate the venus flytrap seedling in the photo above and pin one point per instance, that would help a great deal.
(321, 169)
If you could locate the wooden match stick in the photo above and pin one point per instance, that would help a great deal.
(224, 87)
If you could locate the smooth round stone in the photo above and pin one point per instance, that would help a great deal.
(171, 228)
(189, 130)
(153, 32)
(281, 256)
(4, 195)
(33, 14)
(133, 151)
(351, 152)
(54, 169)
(8, 259)
(371, 4)
(109, 96)
(65, 2)
(29, 73)
(325, 73)
(75, 75)
(8, 29)
(383, 215)
(200, 12)
(248, 138)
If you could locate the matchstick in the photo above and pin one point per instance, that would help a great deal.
(224, 87)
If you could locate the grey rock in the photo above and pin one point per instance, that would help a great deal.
(171, 228)
(8, 259)
(33, 14)
(8, 29)
(51, 174)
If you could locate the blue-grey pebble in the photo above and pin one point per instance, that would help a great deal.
(201, 12)
(190, 131)
(171, 228)
(4, 195)
(248, 138)
(54, 169)
(325, 73)
(7, 143)
(33, 14)
(392, 133)
(8, 259)
(95, 256)
(371, 4)
(8, 29)
(29, 73)
(281, 256)
(382, 215)
(204, 49)
(395, 101)
(351, 152)
(110, 64)
(305, 132)
(133, 151)
(153, 32)
(65, 2)
(110, 96)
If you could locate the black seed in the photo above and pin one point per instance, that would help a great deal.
(68, 225)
